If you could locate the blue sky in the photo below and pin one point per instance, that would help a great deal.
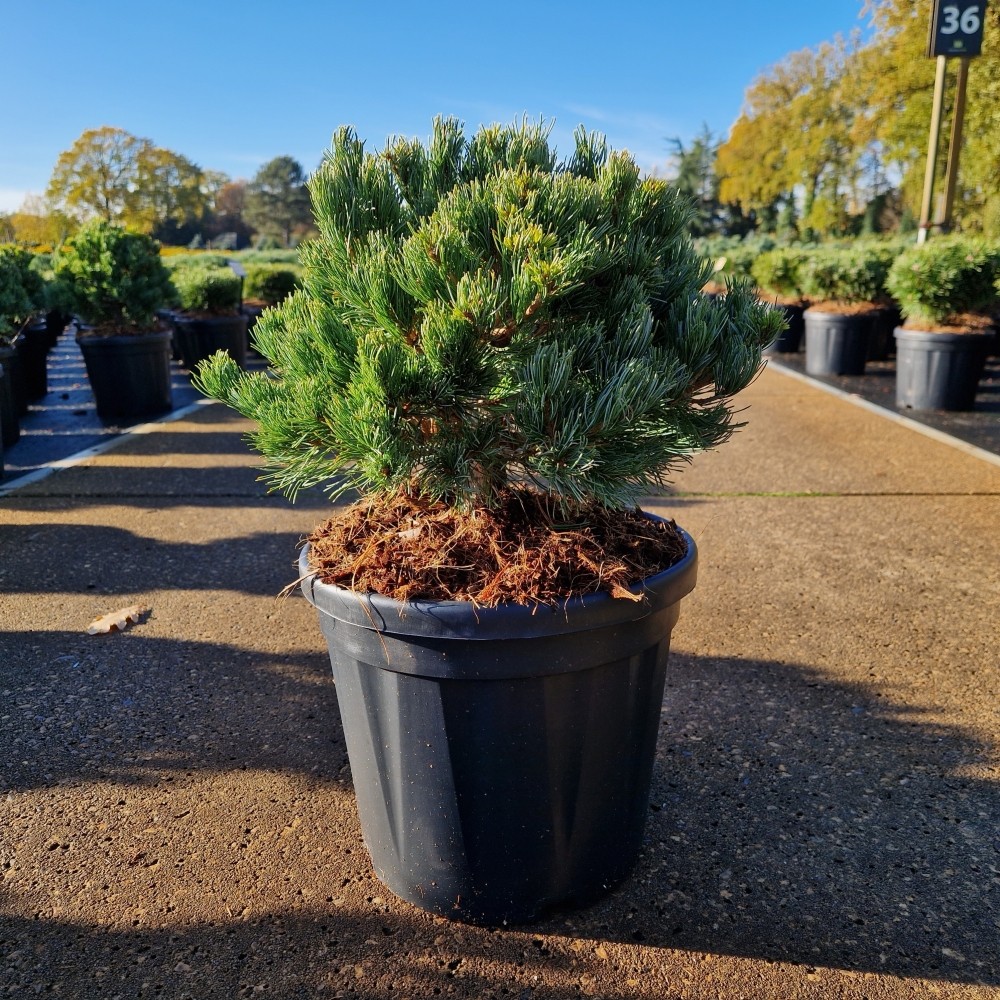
(231, 85)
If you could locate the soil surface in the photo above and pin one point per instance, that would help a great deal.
(846, 308)
(523, 550)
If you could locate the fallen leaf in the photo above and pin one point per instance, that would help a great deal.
(119, 620)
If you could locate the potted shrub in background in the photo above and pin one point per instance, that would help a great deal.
(266, 285)
(209, 318)
(32, 344)
(945, 288)
(732, 257)
(176, 261)
(846, 290)
(116, 282)
(777, 274)
(20, 299)
(503, 354)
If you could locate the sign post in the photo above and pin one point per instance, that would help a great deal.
(956, 30)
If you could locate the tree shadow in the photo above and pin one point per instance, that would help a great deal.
(793, 818)
(127, 709)
(58, 557)
(797, 818)
(376, 953)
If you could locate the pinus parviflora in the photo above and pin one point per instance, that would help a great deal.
(476, 315)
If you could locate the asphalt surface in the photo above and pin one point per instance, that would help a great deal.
(177, 817)
(64, 422)
(979, 426)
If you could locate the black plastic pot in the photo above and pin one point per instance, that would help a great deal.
(55, 322)
(10, 358)
(836, 343)
(252, 313)
(33, 350)
(501, 757)
(10, 427)
(884, 321)
(939, 371)
(199, 338)
(129, 373)
(790, 339)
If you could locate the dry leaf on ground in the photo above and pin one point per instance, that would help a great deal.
(119, 620)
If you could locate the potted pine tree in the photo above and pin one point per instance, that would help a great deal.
(777, 274)
(209, 318)
(847, 293)
(20, 299)
(115, 283)
(946, 289)
(503, 354)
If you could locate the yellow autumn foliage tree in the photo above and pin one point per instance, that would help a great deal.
(840, 123)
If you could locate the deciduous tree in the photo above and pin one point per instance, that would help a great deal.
(97, 175)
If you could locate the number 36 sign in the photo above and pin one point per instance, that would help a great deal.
(956, 28)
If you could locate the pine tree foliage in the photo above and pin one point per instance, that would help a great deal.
(475, 315)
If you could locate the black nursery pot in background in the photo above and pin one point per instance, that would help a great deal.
(939, 371)
(790, 340)
(198, 338)
(501, 757)
(129, 373)
(33, 349)
(10, 425)
(836, 343)
(10, 358)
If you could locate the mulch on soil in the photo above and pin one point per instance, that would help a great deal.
(520, 551)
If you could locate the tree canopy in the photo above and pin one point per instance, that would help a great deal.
(277, 200)
(110, 174)
(837, 126)
(128, 180)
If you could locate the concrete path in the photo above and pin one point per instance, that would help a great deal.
(176, 810)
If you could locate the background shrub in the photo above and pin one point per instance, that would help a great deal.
(114, 279)
(270, 283)
(207, 290)
(181, 261)
(777, 272)
(21, 290)
(854, 274)
(945, 277)
(248, 257)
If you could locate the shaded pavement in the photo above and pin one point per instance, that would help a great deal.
(176, 810)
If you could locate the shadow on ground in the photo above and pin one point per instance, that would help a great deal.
(793, 819)
(77, 558)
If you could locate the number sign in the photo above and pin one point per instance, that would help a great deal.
(956, 28)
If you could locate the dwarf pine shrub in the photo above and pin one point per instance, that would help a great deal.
(944, 278)
(21, 291)
(208, 290)
(777, 272)
(270, 283)
(854, 274)
(477, 315)
(114, 280)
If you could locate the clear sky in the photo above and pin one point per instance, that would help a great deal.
(232, 84)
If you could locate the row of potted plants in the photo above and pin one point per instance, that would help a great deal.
(31, 317)
(933, 304)
(135, 311)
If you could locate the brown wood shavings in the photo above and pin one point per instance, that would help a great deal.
(409, 549)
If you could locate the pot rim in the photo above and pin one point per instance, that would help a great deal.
(943, 336)
(466, 620)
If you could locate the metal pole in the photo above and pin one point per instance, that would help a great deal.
(932, 148)
(954, 146)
